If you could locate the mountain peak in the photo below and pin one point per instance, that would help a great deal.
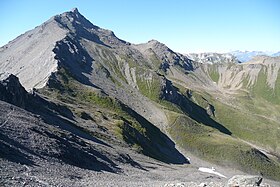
(75, 10)
(75, 22)
(75, 13)
(73, 16)
(153, 44)
(153, 41)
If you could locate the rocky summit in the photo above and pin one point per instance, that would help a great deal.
(81, 107)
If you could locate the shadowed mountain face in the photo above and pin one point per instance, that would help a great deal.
(97, 101)
(12, 91)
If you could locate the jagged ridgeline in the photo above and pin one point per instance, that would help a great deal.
(141, 99)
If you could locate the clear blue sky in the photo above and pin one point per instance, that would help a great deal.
(183, 25)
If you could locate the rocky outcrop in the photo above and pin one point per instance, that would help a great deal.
(235, 181)
(12, 91)
(210, 110)
(244, 180)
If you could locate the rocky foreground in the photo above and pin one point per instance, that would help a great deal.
(235, 181)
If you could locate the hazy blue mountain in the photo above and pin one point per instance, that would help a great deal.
(245, 56)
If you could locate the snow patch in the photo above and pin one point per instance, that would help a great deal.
(211, 170)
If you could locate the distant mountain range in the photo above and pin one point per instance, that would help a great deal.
(234, 56)
(245, 56)
(212, 58)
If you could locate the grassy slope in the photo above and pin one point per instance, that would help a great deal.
(262, 90)
(213, 73)
(224, 150)
(255, 114)
(210, 144)
(254, 118)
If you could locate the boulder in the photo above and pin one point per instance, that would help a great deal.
(244, 180)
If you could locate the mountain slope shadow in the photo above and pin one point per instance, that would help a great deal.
(17, 146)
(155, 143)
(58, 115)
(76, 152)
(191, 109)
(74, 59)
